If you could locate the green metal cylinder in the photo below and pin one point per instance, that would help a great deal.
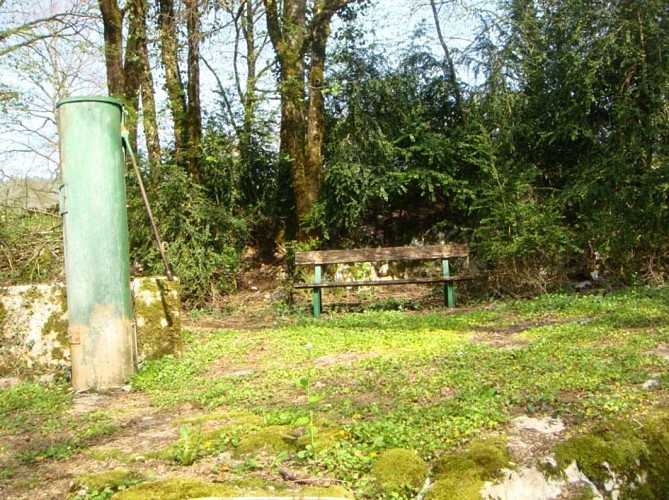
(95, 227)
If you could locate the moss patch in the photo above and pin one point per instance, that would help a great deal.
(618, 446)
(178, 489)
(632, 451)
(107, 481)
(655, 433)
(31, 295)
(325, 438)
(3, 317)
(56, 325)
(231, 420)
(331, 492)
(158, 314)
(399, 471)
(8, 364)
(107, 454)
(482, 459)
(463, 487)
(463, 474)
(271, 440)
(175, 489)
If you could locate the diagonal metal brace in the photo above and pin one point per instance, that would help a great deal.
(161, 246)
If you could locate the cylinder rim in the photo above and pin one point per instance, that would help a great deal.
(92, 98)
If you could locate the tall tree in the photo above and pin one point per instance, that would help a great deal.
(299, 36)
(183, 98)
(129, 75)
(169, 50)
(112, 22)
(146, 88)
(193, 108)
(132, 68)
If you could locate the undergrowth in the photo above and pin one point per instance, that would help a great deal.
(333, 395)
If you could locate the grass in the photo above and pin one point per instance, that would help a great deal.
(430, 382)
(34, 407)
(386, 380)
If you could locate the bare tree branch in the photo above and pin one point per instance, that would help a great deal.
(28, 28)
(222, 92)
(449, 70)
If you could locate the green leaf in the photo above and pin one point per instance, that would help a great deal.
(302, 383)
(312, 431)
(302, 421)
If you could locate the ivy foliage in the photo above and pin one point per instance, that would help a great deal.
(563, 158)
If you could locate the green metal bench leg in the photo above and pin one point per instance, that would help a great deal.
(449, 287)
(317, 292)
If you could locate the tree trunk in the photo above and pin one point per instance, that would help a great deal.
(249, 98)
(131, 71)
(193, 110)
(112, 21)
(130, 76)
(147, 95)
(302, 120)
(313, 164)
(175, 88)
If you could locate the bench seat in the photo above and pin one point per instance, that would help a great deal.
(320, 258)
(403, 281)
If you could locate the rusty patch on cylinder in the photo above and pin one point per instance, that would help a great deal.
(76, 332)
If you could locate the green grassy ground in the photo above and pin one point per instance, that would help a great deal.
(329, 397)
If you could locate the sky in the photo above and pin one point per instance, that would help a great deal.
(391, 24)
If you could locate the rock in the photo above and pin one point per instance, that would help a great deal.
(651, 384)
(583, 285)
(224, 458)
(547, 425)
(279, 295)
(9, 382)
(523, 484)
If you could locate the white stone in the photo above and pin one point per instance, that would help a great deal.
(523, 484)
(650, 384)
(28, 308)
(547, 425)
(24, 341)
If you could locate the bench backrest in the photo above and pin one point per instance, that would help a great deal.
(382, 254)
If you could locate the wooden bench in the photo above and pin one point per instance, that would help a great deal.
(319, 258)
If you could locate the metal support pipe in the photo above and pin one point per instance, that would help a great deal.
(147, 206)
(95, 228)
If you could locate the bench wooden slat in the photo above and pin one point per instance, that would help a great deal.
(408, 281)
(428, 252)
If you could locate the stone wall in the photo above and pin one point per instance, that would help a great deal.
(33, 326)
(157, 307)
